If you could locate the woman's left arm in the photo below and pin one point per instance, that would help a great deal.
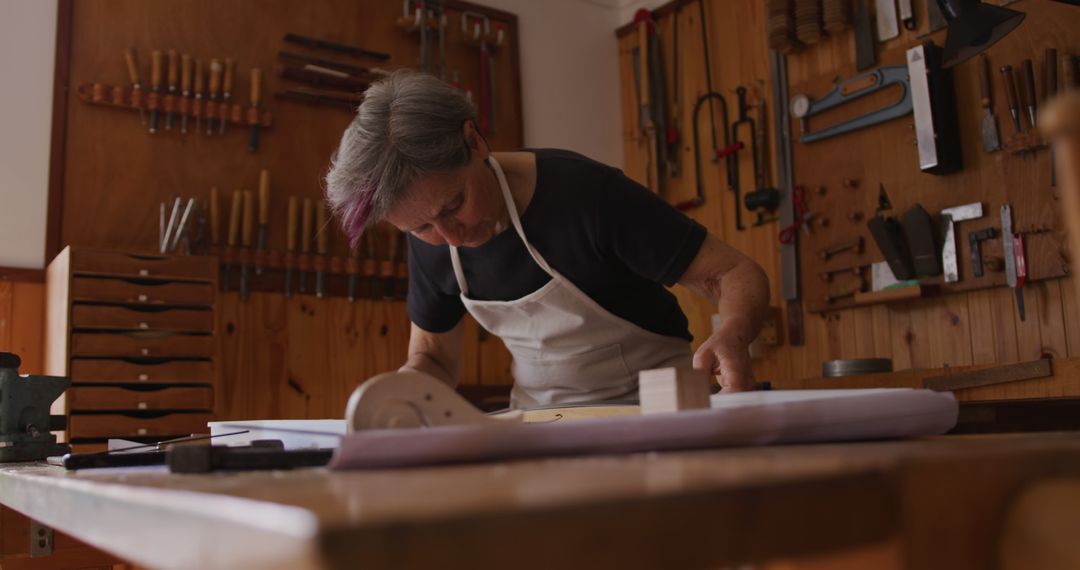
(740, 288)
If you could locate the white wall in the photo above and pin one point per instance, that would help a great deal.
(27, 52)
(569, 80)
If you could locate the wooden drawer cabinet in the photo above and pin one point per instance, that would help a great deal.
(142, 345)
(124, 318)
(141, 292)
(94, 426)
(87, 261)
(109, 398)
(136, 335)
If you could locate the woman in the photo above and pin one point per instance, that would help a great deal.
(563, 258)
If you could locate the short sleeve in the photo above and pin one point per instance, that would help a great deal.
(649, 236)
(430, 306)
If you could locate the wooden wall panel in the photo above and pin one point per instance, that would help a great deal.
(22, 323)
(977, 327)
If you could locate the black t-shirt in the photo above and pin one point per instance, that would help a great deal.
(610, 236)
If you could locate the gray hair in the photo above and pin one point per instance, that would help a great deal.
(410, 124)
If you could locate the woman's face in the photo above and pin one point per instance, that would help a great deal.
(462, 207)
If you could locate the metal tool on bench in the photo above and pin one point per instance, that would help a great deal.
(25, 423)
(974, 239)
(743, 118)
(950, 217)
(803, 108)
(991, 140)
(1013, 271)
(934, 103)
(260, 455)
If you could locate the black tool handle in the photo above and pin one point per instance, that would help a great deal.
(985, 88)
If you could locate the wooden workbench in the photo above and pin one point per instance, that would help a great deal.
(688, 509)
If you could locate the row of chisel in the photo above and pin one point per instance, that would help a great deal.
(307, 223)
(182, 93)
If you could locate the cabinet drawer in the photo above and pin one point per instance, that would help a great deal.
(142, 344)
(141, 292)
(125, 372)
(111, 398)
(100, 262)
(106, 317)
(123, 425)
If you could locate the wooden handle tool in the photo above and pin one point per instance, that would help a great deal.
(264, 197)
(136, 85)
(226, 94)
(985, 93)
(155, 87)
(1011, 95)
(173, 73)
(1061, 123)
(256, 90)
(212, 93)
(185, 90)
(234, 217)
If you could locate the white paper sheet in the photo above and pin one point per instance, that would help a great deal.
(750, 418)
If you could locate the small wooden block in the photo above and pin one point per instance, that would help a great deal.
(673, 389)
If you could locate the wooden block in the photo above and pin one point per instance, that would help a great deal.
(673, 389)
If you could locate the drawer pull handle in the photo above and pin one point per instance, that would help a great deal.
(144, 325)
(141, 405)
(144, 272)
(141, 431)
(144, 377)
(144, 351)
(142, 298)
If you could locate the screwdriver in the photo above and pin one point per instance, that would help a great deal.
(322, 237)
(215, 226)
(264, 216)
(290, 245)
(1011, 96)
(234, 231)
(155, 88)
(1029, 90)
(245, 241)
(185, 89)
(196, 107)
(211, 95)
(136, 86)
(305, 242)
(253, 113)
(172, 89)
(226, 93)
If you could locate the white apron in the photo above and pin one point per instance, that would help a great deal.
(567, 348)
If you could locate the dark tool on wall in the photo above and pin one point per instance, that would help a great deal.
(226, 94)
(185, 90)
(311, 62)
(887, 26)
(130, 456)
(973, 27)
(306, 217)
(318, 43)
(865, 53)
(25, 423)
(136, 85)
(155, 88)
(196, 105)
(974, 239)
(991, 141)
(262, 455)
(1012, 271)
(1011, 96)
(671, 137)
(212, 93)
(655, 100)
(253, 109)
(889, 238)
(792, 205)
(803, 108)
(322, 233)
(855, 246)
(290, 245)
(245, 241)
(1028, 92)
(743, 118)
(920, 233)
(234, 234)
(173, 75)
(949, 218)
(324, 78)
(264, 218)
(907, 15)
(762, 202)
(933, 96)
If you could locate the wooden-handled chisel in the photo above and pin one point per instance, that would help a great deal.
(173, 74)
(990, 138)
(322, 241)
(305, 239)
(212, 93)
(256, 93)
(264, 217)
(155, 87)
(290, 244)
(226, 94)
(185, 90)
(136, 85)
(196, 107)
(245, 239)
(1030, 95)
(234, 231)
(1011, 95)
